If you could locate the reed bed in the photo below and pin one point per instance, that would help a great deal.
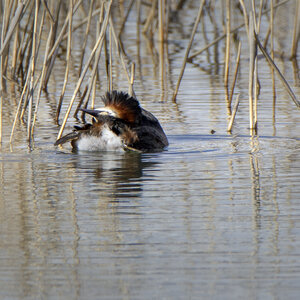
(35, 33)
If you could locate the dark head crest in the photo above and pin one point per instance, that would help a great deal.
(126, 107)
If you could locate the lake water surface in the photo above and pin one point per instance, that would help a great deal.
(214, 216)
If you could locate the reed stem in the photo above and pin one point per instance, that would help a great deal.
(87, 29)
(42, 79)
(68, 58)
(227, 53)
(188, 49)
(130, 88)
(125, 18)
(272, 54)
(235, 74)
(234, 111)
(161, 20)
(252, 56)
(33, 62)
(296, 32)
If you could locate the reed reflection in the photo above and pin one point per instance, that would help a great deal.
(65, 211)
(265, 206)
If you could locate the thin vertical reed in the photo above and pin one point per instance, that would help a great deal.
(119, 49)
(256, 90)
(272, 55)
(1, 83)
(93, 93)
(256, 80)
(234, 111)
(110, 61)
(296, 32)
(167, 19)
(296, 72)
(87, 29)
(150, 17)
(138, 32)
(259, 15)
(125, 18)
(162, 65)
(1, 114)
(16, 46)
(91, 82)
(235, 74)
(106, 54)
(51, 59)
(100, 21)
(130, 88)
(161, 20)
(251, 67)
(242, 3)
(68, 58)
(33, 62)
(204, 32)
(2, 55)
(188, 49)
(42, 78)
(20, 105)
(1, 104)
(138, 20)
(253, 14)
(227, 54)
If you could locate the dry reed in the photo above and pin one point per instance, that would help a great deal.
(234, 111)
(252, 56)
(25, 24)
(296, 33)
(188, 49)
(68, 58)
(227, 51)
(235, 75)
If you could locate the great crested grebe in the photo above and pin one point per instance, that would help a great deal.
(120, 125)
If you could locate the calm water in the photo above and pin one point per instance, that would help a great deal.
(215, 216)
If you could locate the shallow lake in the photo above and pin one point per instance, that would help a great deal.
(214, 216)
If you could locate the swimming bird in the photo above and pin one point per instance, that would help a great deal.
(122, 124)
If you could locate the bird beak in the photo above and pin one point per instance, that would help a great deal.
(92, 112)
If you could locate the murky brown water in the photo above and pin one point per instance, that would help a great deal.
(212, 217)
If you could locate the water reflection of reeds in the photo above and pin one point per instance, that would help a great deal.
(71, 221)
